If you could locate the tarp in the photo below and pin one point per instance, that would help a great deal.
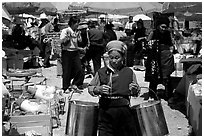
(141, 16)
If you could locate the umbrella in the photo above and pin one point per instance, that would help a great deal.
(21, 7)
(125, 7)
(141, 16)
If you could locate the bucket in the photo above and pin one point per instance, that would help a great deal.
(150, 118)
(82, 118)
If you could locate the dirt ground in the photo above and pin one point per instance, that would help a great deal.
(177, 122)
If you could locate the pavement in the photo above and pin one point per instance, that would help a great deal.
(177, 122)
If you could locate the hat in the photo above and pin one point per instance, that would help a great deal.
(116, 45)
(43, 16)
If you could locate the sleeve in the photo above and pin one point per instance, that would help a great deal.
(93, 84)
(135, 81)
(134, 78)
(150, 37)
(64, 36)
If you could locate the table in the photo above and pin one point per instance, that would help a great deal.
(190, 61)
(194, 109)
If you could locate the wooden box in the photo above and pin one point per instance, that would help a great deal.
(41, 123)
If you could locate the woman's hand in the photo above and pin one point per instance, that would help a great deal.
(134, 88)
(103, 89)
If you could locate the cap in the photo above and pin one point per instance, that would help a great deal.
(116, 45)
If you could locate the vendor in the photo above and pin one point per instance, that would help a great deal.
(45, 28)
(114, 84)
(160, 60)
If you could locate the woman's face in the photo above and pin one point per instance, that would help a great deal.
(115, 59)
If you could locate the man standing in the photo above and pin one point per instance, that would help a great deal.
(96, 49)
(44, 28)
(128, 26)
(71, 64)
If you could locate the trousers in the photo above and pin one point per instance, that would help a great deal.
(72, 69)
(116, 121)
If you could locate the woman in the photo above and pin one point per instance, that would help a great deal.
(114, 84)
(140, 39)
(160, 60)
(71, 64)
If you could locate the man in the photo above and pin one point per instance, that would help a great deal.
(45, 28)
(96, 49)
(128, 26)
(71, 64)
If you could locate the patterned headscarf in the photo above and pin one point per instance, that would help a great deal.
(116, 45)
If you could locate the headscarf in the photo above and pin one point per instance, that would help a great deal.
(116, 45)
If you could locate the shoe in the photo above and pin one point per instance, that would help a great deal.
(76, 89)
(67, 91)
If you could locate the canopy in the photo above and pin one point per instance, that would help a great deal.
(34, 8)
(5, 14)
(141, 16)
(125, 7)
(194, 7)
(21, 7)
(46, 7)
(190, 11)
(116, 16)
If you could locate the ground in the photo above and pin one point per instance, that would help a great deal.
(177, 122)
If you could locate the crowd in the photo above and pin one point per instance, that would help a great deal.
(84, 41)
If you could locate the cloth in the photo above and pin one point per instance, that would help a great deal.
(110, 35)
(117, 122)
(96, 49)
(115, 116)
(120, 34)
(96, 36)
(128, 25)
(194, 108)
(71, 68)
(71, 37)
(116, 45)
(47, 28)
(99, 80)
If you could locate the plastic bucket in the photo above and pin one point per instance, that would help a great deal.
(82, 118)
(150, 118)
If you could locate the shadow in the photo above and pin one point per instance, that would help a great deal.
(177, 102)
